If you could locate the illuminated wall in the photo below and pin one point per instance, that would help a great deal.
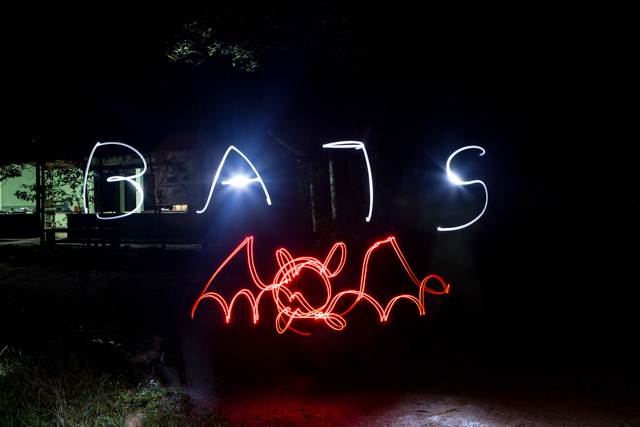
(9, 201)
(173, 183)
(133, 183)
(57, 210)
(8, 188)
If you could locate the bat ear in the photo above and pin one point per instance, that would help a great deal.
(284, 257)
(340, 262)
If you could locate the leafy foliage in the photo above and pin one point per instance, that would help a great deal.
(62, 184)
(196, 44)
(66, 389)
(10, 171)
(248, 33)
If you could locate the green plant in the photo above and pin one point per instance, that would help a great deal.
(9, 171)
(247, 35)
(62, 389)
(63, 182)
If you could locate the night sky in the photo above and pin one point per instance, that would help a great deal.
(544, 91)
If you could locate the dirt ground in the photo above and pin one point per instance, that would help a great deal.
(410, 385)
(426, 374)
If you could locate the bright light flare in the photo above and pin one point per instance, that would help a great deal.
(358, 146)
(457, 181)
(291, 267)
(239, 181)
(235, 181)
(130, 179)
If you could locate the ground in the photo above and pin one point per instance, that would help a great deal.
(426, 374)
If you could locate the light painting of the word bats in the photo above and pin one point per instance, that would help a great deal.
(455, 179)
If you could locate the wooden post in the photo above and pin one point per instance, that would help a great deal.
(40, 201)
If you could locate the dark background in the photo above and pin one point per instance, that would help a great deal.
(546, 91)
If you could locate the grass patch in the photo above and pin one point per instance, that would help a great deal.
(66, 389)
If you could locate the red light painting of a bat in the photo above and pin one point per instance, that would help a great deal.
(291, 267)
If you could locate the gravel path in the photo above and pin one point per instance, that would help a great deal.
(420, 376)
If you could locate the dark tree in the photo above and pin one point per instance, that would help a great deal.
(247, 34)
(9, 171)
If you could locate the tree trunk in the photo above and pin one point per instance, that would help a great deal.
(332, 186)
